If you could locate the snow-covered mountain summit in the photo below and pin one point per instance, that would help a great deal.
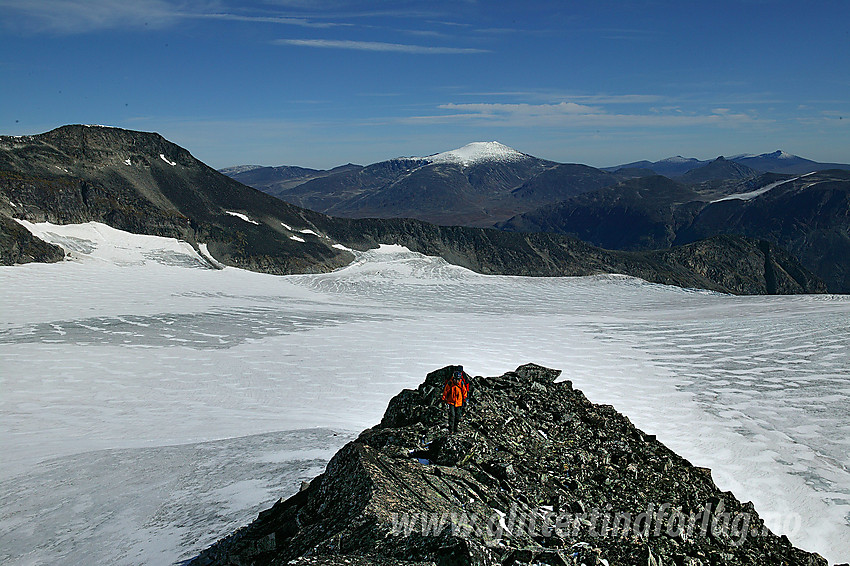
(476, 152)
(679, 159)
(779, 154)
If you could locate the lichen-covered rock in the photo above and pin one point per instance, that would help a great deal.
(537, 475)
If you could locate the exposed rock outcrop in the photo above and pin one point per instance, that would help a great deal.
(537, 475)
(18, 245)
(809, 216)
(142, 183)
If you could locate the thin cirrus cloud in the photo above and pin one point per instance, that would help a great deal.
(83, 16)
(573, 114)
(378, 46)
(262, 19)
(561, 108)
(585, 98)
(74, 16)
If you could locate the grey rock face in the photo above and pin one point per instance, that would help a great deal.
(538, 474)
(17, 245)
(142, 183)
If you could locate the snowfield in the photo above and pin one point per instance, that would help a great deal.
(151, 405)
(477, 152)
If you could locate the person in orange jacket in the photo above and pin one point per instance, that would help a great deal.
(455, 392)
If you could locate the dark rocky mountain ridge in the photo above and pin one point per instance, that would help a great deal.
(807, 215)
(726, 263)
(277, 180)
(628, 208)
(775, 162)
(141, 183)
(781, 162)
(536, 475)
(669, 167)
(439, 190)
(633, 214)
(719, 169)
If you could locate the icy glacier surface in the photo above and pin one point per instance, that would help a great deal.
(150, 405)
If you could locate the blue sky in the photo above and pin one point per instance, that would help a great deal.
(326, 82)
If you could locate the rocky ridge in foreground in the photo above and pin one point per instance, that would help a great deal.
(537, 475)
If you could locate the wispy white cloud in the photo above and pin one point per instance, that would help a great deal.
(621, 98)
(589, 98)
(83, 16)
(571, 114)
(448, 23)
(75, 16)
(424, 33)
(505, 31)
(523, 109)
(377, 46)
(285, 20)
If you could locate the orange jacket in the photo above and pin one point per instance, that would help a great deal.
(455, 391)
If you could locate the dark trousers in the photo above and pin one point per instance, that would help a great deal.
(455, 414)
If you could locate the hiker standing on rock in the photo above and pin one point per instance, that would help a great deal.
(455, 392)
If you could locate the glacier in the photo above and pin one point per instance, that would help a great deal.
(151, 405)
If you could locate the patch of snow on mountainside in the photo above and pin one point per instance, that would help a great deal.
(205, 253)
(476, 152)
(236, 169)
(241, 216)
(779, 154)
(95, 242)
(753, 194)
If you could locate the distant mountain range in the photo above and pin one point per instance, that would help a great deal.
(484, 183)
(775, 162)
(142, 183)
(279, 179)
(636, 206)
(476, 185)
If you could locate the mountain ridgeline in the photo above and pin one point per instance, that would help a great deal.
(142, 183)
(808, 215)
(537, 474)
(484, 183)
(448, 189)
(637, 206)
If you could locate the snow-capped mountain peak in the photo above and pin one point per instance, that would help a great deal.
(779, 154)
(677, 159)
(476, 152)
